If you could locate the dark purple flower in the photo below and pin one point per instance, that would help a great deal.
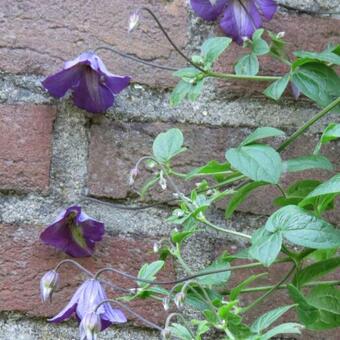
(85, 300)
(74, 232)
(241, 18)
(94, 87)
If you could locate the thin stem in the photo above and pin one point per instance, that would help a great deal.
(170, 40)
(284, 286)
(122, 305)
(227, 231)
(306, 126)
(136, 59)
(281, 190)
(239, 76)
(271, 290)
(181, 261)
(184, 279)
(74, 263)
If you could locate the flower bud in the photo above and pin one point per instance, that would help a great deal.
(179, 300)
(90, 326)
(166, 303)
(133, 21)
(281, 34)
(162, 181)
(133, 174)
(48, 283)
(166, 334)
(156, 247)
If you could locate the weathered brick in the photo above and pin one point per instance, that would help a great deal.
(24, 259)
(68, 28)
(116, 147)
(25, 153)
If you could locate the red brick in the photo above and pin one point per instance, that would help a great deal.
(25, 155)
(36, 37)
(116, 147)
(24, 259)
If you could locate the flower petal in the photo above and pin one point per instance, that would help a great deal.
(117, 83)
(58, 84)
(57, 235)
(240, 20)
(70, 308)
(266, 7)
(206, 10)
(91, 94)
(92, 229)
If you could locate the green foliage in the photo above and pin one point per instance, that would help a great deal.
(276, 89)
(247, 65)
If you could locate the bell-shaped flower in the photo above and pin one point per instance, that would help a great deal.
(74, 232)
(94, 87)
(239, 18)
(48, 284)
(85, 300)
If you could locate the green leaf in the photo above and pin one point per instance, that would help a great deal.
(318, 82)
(180, 236)
(261, 133)
(213, 168)
(188, 74)
(240, 195)
(195, 90)
(332, 132)
(148, 271)
(303, 229)
(268, 318)
(222, 262)
(213, 48)
(180, 332)
(325, 297)
(276, 89)
(247, 65)
(307, 163)
(236, 291)
(285, 328)
(265, 246)
(167, 145)
(326, 56)
(332, 186)
(258, 162)
(259, 46)
(179, 92)
(316, 270)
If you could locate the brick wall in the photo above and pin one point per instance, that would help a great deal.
(52, 154)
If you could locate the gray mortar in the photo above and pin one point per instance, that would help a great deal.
(142, 103)
(15, 327)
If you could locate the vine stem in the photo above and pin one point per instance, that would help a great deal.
(306, 126)
(285, 286)
(239, 76)
(227, 231)
(270, 291)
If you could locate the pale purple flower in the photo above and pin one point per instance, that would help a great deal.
(90, 326)
(94, 87)
(48, 284)
(85, 300)
(239, 18)
(74, 232)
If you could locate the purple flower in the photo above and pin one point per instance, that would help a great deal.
(74, 232)
(94, 87)
(241, 18)
(90, 326)
(85, 300)
(48, 283)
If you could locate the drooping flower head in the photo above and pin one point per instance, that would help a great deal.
(48, 284)
(94, 87)
(239, 18)
(74, 232)
(85, 300)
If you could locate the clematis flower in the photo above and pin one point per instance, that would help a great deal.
(239, 18)
(90, 326)
(94, 87)
(74, 232)
(84, 301)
